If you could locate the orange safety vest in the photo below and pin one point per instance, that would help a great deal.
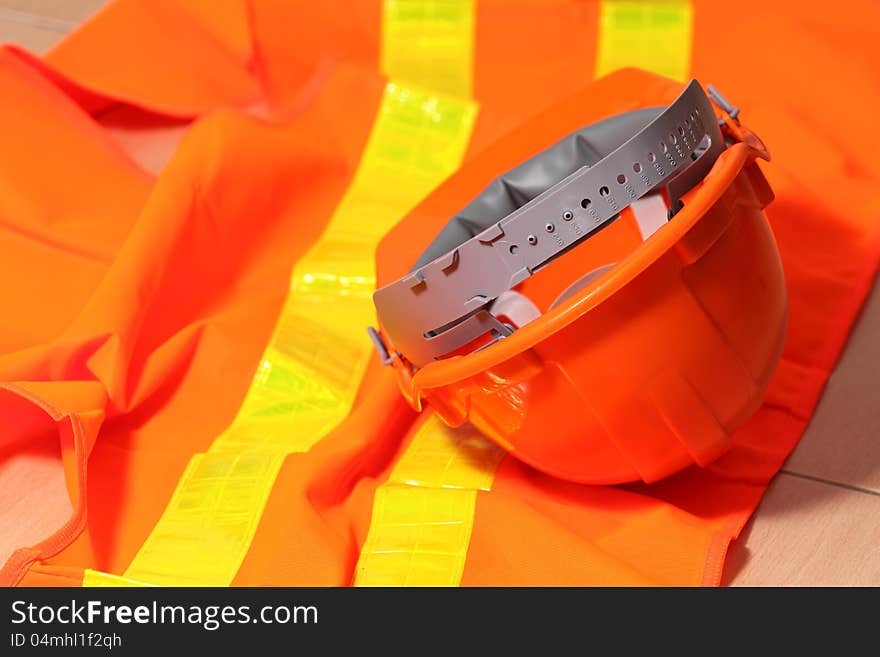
(193, 195)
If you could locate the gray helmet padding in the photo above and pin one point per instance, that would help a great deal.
(513, 189)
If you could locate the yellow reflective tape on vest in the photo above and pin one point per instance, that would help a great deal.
(307, 379)
(97, 579)
(651, 34)
(423, 515)
(430, 43)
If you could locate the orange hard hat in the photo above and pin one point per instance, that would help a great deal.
(590, 354)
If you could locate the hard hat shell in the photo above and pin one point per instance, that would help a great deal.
(647, 368)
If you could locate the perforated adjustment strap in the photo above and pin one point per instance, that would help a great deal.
(444, 305)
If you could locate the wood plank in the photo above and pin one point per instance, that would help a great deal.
(842, 443)
(807, 533)
(33, 37)
(71, 12)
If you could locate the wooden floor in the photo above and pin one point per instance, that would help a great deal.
(819, 523)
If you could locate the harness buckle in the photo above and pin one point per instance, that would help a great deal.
(722, 102)
(733, 128)
(379, 344)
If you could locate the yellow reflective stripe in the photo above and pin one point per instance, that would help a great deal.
(309, 374)
(429, 42)
(97, 579)
(418, 537)
(651, 34)
(423, 515)
(208, 525)
(442, 457)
